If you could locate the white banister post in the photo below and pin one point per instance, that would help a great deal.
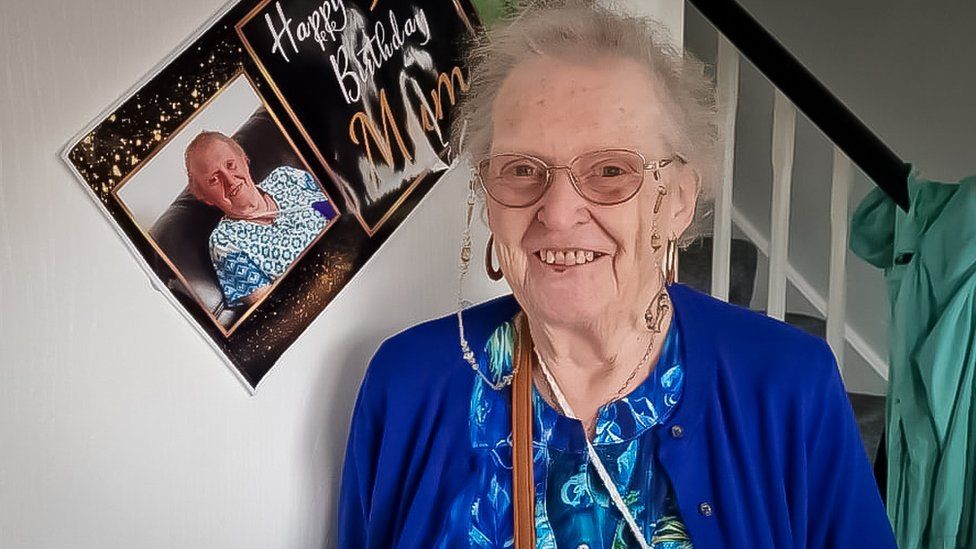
(843, 176)
(728, 103)
(784, 134)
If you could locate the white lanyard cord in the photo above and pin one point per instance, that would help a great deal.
(594, 458)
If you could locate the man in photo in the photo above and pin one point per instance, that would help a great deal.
(266, 226)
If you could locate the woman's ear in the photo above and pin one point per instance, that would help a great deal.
(684, 199)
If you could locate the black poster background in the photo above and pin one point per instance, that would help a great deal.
(324, 66)
(117, 145)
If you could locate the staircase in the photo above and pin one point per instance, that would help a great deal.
(796, 162)
(696, 271)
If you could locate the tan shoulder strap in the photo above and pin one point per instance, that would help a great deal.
(523, 478)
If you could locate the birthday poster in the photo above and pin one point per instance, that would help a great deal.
(257, 169)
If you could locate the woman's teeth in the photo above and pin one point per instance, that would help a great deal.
(567, 257)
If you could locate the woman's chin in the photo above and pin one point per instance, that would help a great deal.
(564, 306)
(566, 295)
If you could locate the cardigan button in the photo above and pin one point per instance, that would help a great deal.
(677, 431)
(705, 509)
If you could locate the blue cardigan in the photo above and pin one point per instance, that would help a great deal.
(762, 452)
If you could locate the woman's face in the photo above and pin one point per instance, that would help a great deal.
(555, 110)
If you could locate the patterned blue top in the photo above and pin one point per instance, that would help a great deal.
(248, 255)
(573, 508)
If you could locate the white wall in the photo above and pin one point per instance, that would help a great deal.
(119, 427)
(904, 67)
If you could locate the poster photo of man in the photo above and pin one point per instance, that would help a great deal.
(229, 204)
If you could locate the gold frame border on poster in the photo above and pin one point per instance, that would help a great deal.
(152, 242)
(301, 128)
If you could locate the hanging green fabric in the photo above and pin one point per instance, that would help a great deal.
(492, 11)
(929, 260)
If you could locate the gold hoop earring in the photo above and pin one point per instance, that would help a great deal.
(671, 262)
(493, 273)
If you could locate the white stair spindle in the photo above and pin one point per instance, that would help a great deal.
(728, 103)
(843, 175)
(784, 134)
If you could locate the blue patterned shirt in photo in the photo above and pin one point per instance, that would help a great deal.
(573, 508)
(247, 255)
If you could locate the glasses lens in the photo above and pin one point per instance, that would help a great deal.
(609, 177)
(512, 179)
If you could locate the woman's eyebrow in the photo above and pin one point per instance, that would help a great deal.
(527, 152)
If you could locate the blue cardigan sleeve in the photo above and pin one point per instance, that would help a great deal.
(845, 507)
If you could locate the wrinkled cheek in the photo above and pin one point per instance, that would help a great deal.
(514, 264)
(630, 272)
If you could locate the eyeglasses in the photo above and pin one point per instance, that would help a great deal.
(605, 177)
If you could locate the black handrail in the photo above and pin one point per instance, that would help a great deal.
(798, 84)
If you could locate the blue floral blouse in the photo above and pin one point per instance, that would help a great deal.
(573, 508)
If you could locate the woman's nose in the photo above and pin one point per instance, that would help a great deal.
(562, 207)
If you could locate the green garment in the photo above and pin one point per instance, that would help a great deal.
(492, 11)
(929, 261)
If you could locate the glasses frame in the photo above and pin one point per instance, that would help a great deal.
(654, 166)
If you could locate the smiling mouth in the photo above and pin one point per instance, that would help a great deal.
(567, 257)
(233, 192)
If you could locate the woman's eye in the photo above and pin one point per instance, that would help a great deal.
(231, 165)
(524, 170)
(611, 171)
(213, 181)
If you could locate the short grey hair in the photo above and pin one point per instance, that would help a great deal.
(577, 29)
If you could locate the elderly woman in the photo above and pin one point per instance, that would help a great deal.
(601, 405)
(266, 226)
